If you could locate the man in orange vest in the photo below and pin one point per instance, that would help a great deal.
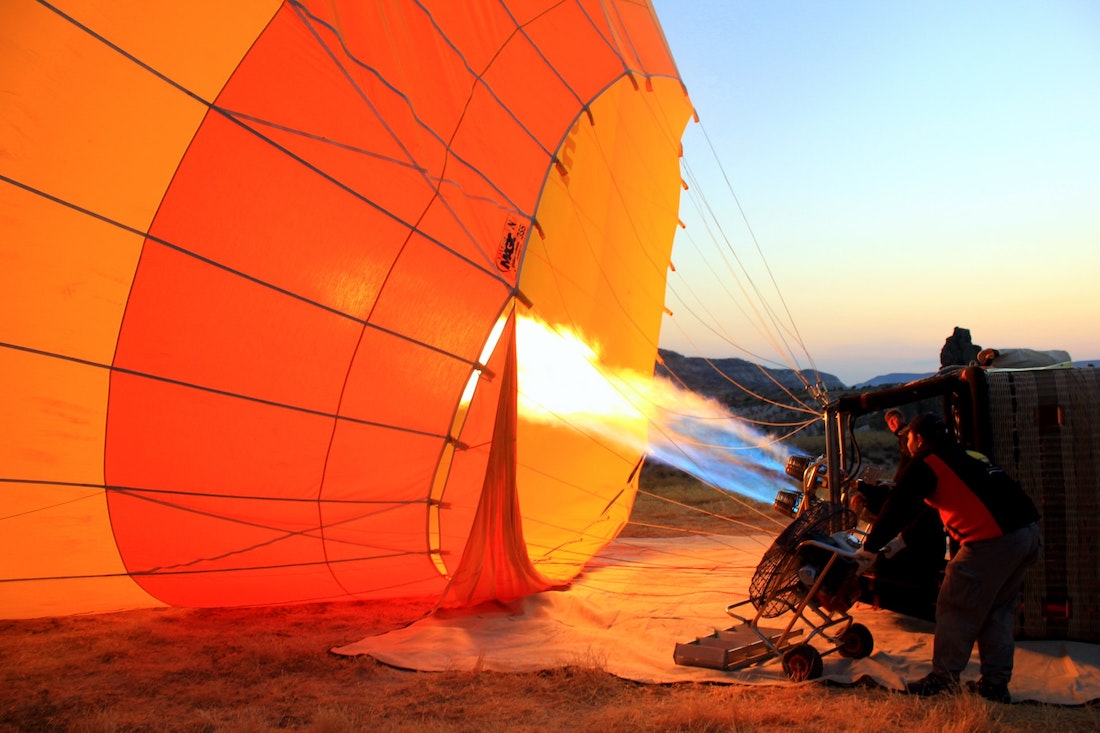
(996, 527)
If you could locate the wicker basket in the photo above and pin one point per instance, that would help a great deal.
(1045, 430)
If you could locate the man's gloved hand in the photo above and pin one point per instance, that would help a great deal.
(894, 546)
(864, 559)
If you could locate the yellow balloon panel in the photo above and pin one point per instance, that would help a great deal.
(195, 45)
(67, 276)
(600, 272)
(53, 419)
(57, 543)
(91, 127)
(66, 547)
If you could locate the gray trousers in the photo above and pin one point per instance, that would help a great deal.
(978, 601)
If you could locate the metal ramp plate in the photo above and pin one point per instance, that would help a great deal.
(731, 648)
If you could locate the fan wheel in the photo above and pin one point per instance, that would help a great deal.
(856, 642)
(802, 662)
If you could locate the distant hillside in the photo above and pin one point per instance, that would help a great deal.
(716, 376)
(720, 377)
(892, 378)
(906, 377)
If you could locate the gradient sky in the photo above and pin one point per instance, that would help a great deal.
(903, 168)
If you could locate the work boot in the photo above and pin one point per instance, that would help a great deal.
(935, 683)
(993, 691)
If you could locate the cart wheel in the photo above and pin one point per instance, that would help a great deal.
(856, 642)
(802, 662)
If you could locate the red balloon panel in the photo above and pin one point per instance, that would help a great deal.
(189, 321)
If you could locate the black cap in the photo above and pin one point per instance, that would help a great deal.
(929, 426)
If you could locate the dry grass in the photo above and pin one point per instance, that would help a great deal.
(268, 669)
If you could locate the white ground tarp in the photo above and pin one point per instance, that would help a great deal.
(641, 597)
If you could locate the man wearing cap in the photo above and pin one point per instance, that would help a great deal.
(895, 421)
(871, 496)
(907, 582)
(995, 524)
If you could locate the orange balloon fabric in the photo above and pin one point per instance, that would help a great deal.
(261, 268)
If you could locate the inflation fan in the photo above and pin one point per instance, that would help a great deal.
(809, 573)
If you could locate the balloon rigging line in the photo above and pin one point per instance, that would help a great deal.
(216, 571)
(232, 271)
(682, 566)
(222, 392)
(605, 444)
(702, 205)
(314, 532)
(673, 551)
(704, 512)
(759, 322)
(641, 543)
(701, 532)
(182, 568)
(799, 373)
(521, 29)
(724, 494)
(488, 270)
(686, 531)
(448, 146)
(709, 220)
(770, 440)
(98, 494)
(676, 379)
(603, 274)
(225, 113)
(775, 333)
(758, 536)
(803, 409)
(196, 494)
(410, 165)
(615, 295)
(476, 76)
(317, 532)
(304, 13)
(559, 274)
(666, 555)
(709, 325)
(701, 202)
(711, 483)
(433, 182)
(801, 404)
(767, 267)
